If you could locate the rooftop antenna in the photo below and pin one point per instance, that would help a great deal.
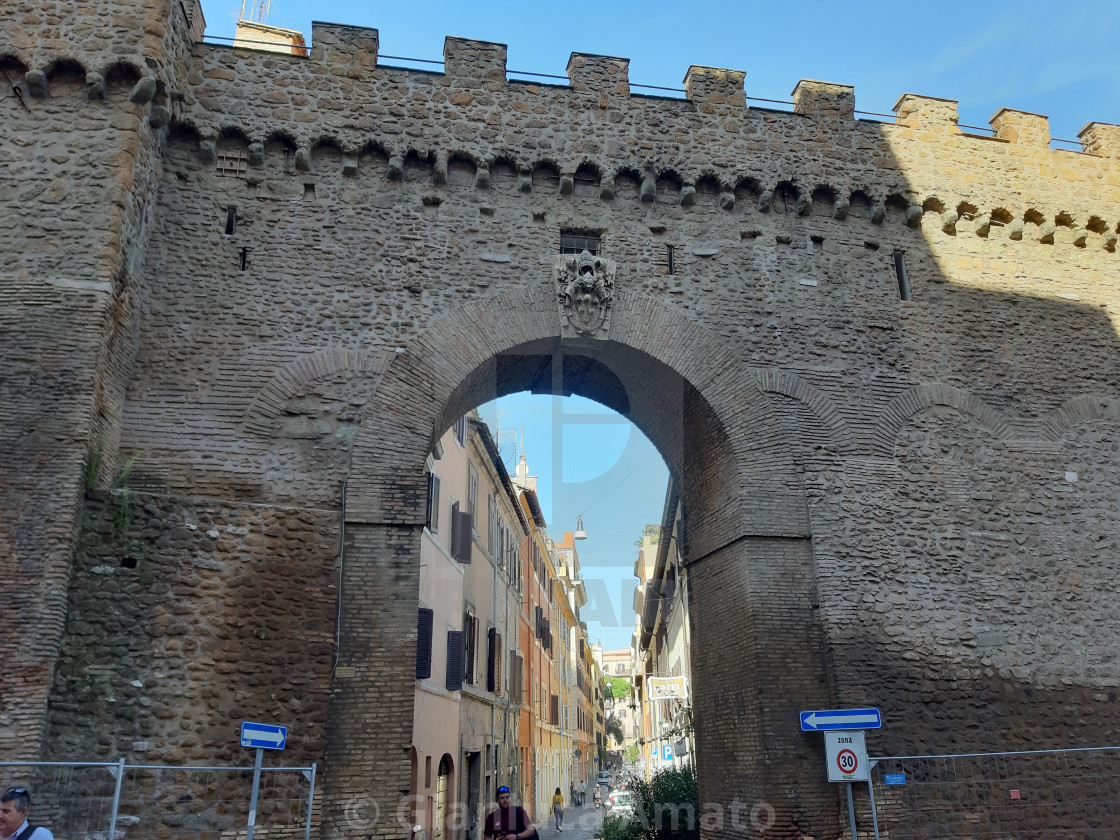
(501, 436)
(255, 11)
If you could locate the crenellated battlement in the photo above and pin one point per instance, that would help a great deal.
(324, 100)
(351, 52)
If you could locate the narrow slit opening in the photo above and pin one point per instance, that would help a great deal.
(901, 275)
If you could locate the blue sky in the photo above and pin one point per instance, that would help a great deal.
(1058, 60)
(589, 461)
(1061, 60)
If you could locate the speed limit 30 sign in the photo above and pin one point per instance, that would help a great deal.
(846, 756)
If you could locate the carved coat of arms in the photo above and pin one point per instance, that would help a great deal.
(584, 289)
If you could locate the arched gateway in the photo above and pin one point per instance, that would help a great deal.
(746, 523)
(244, 291)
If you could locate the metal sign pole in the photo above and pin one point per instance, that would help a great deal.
(310, 799)
(851, 811)
(874, 819)
(253, 796)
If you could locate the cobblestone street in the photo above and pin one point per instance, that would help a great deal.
(579, 823)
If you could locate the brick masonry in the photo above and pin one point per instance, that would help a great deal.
(267, 283)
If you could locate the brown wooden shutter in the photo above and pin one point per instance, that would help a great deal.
(465, 543)
(454, 660)
(499, 671)
(455, 531)
(491, 662)
(424, 644)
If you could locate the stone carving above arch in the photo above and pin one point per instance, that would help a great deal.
(585, 291)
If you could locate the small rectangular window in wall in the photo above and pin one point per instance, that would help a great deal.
(577, 241)
(664, 262)
(461, 430)
(232, 163)
(901, 275)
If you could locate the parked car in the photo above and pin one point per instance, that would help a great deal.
(621, 803)
(604, 778)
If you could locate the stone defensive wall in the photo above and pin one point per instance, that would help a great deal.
(243, 292)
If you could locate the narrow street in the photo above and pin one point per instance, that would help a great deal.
(579, 823)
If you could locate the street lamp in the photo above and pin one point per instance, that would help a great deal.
(580, 534)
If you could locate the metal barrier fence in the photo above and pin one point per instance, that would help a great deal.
(1035, 795)
(99, 801)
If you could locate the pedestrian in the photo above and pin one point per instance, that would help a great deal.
(558, 809)
(582, 792)
(508, 822)
(573, 794)
(15, 803)
(598, 797)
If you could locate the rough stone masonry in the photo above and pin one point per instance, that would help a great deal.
(243, 292)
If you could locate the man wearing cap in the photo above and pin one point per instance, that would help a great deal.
(508, 822)
(14, 804)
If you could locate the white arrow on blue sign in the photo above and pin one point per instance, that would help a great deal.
(263, 736)
(841, 719)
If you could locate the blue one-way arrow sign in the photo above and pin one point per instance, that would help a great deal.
(841, 719)
(264, 736)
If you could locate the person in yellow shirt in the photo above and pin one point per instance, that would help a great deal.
(558, 809)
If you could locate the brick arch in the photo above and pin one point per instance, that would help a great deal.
(289, 378)
(920, 397)
(1087, 407)
(724, 430)
(793, 386)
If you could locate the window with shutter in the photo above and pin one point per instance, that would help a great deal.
(470, 648)
(491, 523)
(472, 490)
(455, 530)
(491, 659)
(454, 660)
(424, 644)
(499, 672)
(466, 542)
(432, 517)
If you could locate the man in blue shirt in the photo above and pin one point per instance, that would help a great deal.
(14, 804)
